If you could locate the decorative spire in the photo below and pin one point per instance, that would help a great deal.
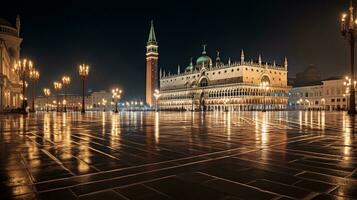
(260, 60)
(204, 49)
(191, 64)
(242, 57)
(286, 63)
(160, 72)
(274, 64)
(18, 24)
(218, 59)
(178, 69)
(229, 61)
(164, 75)
(152, 37)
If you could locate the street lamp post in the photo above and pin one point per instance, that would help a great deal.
(66, 80)
(116, 96)
(83, 73)
(265, 86)
(57, 86)
(349, 85)
(349, 32)
(46, 93)
(157, 96)
(22, 68)
(34, 76)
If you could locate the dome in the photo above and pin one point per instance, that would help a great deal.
(204, 59)
(189, 68)
(312, 69)
(5, 22)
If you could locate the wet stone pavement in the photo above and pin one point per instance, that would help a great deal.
(134, 155)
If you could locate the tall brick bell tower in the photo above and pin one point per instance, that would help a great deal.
(152, 56)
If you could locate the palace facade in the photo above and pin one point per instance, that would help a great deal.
(10, 85)
(232, 86)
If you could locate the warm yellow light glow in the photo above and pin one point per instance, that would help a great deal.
(46, 92)
(34, 75)
(83, 71)
(66, 80)
(57, 86)
(157, 94)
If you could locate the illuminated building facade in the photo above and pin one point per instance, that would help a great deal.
(233, 86)
(10, 85)
(329, 95)
(73, 102)
(102, 100)
(152, 56)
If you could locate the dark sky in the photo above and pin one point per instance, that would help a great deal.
(111, 36)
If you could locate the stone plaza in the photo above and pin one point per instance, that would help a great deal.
(179, 155)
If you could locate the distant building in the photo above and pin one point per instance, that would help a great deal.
(101, 100)
(73, 102)
(218, 85)
(310, 76)
(329, 95)
(10, 85)
(152, 56)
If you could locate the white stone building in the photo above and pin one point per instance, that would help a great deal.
(329, 95)
(73, 102)
(101, 100)
(205, 85)
(10, 85)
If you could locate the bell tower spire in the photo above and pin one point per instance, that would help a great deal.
(152, 57)
(152, 37)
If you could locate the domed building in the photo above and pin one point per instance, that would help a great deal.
(10, 41)
(190, 67)
(310, 76)
(204, 61)
(234, 86)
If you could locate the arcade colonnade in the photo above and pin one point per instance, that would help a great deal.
(239, 98)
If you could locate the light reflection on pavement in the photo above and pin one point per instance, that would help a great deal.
(178, 155)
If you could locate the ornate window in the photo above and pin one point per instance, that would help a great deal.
(204, 82)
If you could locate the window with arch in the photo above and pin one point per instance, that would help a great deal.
(204, 82)
(265, 78)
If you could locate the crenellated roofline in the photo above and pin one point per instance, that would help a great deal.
(263, 65)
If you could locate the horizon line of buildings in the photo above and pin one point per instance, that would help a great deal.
(206, 84)
(212, 85)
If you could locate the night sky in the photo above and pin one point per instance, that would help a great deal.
(111, 36)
